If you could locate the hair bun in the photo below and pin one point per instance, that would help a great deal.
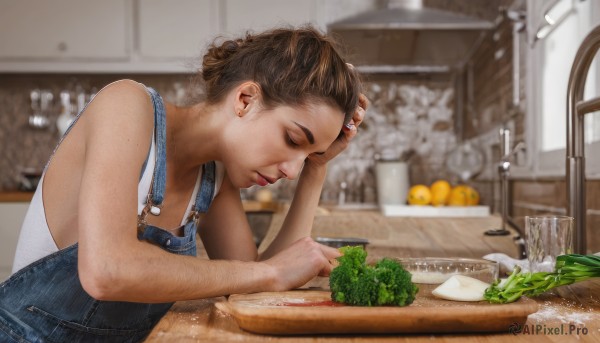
(223, 51)
(291, 66)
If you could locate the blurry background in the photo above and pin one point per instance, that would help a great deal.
(79, 46)
(443, 81)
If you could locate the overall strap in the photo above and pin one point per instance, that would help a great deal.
(206, 192)
(159, 175)
(160, 168)
(157, 190)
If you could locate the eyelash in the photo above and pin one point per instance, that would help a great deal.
(290, 141)
(293, 144)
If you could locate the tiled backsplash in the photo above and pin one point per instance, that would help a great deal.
(404, 115)
(22, 146)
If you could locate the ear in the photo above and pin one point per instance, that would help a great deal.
(247, 96)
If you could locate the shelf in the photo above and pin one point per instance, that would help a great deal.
(435, 211)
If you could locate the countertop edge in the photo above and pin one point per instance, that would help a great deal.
(15, 196)
(249, 205)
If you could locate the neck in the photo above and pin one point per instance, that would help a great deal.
(192, 137)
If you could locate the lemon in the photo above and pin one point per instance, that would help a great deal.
(472, 196)
(419, 195)
(440, 192)
(458, 196)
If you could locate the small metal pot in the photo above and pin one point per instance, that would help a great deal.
(339, 242)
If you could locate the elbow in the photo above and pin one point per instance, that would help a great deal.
(99, 279)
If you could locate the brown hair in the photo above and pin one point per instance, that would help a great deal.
(292, 67)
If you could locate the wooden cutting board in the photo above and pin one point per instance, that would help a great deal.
(310, 312)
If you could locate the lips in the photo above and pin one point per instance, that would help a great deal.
(262, 180)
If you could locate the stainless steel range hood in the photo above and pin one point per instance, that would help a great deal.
(407, 37)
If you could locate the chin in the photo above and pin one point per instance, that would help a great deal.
(241, 185)
(239, 182)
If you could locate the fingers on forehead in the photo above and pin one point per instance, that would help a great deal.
(363, 101)
(358, 116)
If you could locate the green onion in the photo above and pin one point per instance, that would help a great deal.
(568, 269)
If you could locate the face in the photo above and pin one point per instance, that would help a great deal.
(263, 146)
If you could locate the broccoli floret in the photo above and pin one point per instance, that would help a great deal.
(354, 282)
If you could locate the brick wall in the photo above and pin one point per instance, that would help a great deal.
(488, 107)
(549, 197)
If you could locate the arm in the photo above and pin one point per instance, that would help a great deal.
(299, 220)
(300, 217)
(226, 235)
(224, 228)
(112, 263)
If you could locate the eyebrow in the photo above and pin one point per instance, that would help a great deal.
(309, 136)
(307, 132)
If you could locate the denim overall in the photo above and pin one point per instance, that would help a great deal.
(45, 302)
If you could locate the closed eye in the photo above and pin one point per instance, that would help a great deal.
(290, 141)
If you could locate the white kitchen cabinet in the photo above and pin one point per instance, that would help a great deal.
(176, 28)
(63, 29)
(109, 36)
(11, 219)
(140, 36)
(258, 15)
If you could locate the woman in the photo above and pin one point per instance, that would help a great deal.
(111, 246)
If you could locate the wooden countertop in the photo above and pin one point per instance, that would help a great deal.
(577, 305)
(408, 236)
(15, 196)
(249, 205)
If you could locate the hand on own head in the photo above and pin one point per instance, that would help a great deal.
(348, 132)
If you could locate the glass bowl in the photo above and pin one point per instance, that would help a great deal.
(436, 270)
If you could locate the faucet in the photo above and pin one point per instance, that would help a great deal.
(504, 171)
(575, 157)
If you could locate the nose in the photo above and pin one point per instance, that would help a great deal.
(291, 168)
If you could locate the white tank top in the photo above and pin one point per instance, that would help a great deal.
(35, 239)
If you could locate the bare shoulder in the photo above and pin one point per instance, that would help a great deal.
(122, 99)
(121, 108)
(100, 157)
(119, 122)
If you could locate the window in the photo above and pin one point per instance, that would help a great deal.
(557, 29)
